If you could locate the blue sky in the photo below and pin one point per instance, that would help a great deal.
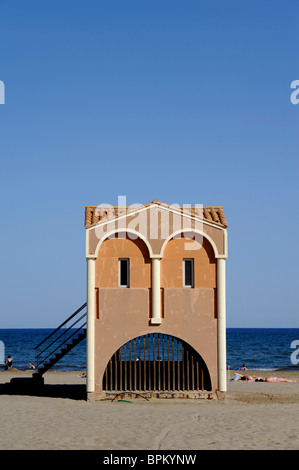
(186, 102)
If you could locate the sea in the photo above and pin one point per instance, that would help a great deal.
(259, 348)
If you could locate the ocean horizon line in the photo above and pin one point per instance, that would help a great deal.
(228, 328)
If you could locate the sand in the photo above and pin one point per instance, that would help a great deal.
(252, 416)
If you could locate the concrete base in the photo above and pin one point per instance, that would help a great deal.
(147, 395)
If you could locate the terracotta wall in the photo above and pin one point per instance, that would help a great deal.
(107, 263)
(204, 263)
(124, 313)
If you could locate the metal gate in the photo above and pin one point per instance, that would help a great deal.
(156, 362)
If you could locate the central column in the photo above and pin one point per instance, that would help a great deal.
(156, 295)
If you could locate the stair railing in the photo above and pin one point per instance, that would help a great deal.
(60, 336)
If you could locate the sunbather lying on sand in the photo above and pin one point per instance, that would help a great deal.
(273, 379)
(249, 378)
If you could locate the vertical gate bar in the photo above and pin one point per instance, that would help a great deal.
(107, 377)
(173, 365)
(154, 361)
(197, 375)
(126, 368)
(120, 370)
(163, 364)
(183, 367)
(144, 365)
(111, 374)
(168, 364)
(187, 368)
(202, 379)
(115, 371)
(135, 378)
(130, 365)
(139, 363)
(149, 362)
(192, 371)
(159, 364)
(125, 375)
(178, 364)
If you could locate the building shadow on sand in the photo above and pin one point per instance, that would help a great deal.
(27, 386)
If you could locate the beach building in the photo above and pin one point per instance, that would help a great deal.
(156, 307)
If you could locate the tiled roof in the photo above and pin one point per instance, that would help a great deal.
(95, 214)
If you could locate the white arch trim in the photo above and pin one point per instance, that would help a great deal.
(177, 232)
(124, 230)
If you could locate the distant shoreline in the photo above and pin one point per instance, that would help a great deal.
(290, 369)
(228, 328)
(230, 372)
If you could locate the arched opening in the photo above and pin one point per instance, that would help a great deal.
(156, 362)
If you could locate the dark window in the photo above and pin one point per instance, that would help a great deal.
(124, 280)
(188, 272)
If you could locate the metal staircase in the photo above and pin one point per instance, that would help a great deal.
(60, 342)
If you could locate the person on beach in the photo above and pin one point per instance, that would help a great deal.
(273, 379)
(249, 378)
(8, 363)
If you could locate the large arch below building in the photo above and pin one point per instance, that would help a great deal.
(156, 363)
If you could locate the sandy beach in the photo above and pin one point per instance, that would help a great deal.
(253, 416)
